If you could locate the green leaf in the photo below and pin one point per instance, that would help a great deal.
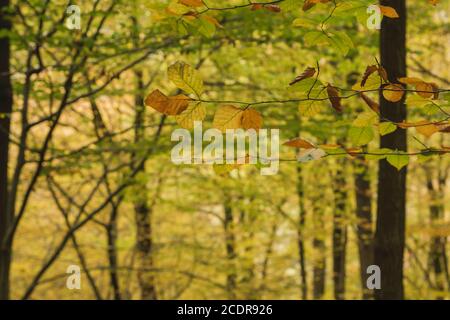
(361, 135)
(398, 160)
(378, 154)
(386, 128)
(186, 78)
(365, 119)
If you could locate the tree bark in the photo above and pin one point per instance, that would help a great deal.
(300, 232)
(319, 262)
(339, 231)
(230, 247)
(6, 103)
(364, 224)
(390, 228)
(437, 256)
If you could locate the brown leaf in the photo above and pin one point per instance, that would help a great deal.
(372, 104)
(192, 3)
(299, 143)
(309, 4)
(251, 119)
(436, 90)
(308, 73)
(333, 96)
(167, 105)
(425, 89)
(383, 73)
(213, 21)
(367, 73)
(426, 128)
(393, 92)
(256, 6)
(273, 7)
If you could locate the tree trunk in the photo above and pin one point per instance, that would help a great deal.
(364, 224)
(339, 231)
(319, 263)
(390, 230)
(230, 247)
(112, 250)
(437, 256)
(6, 103)
(300, 232)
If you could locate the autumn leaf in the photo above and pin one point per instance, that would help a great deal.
(388, 11)
(308, 73)
(256, 6)
(353, 151)
(213, 21)
(386, 128)
(228, 117)
(251, 119)
(194, 112)
(309, 4)
(299, 143)
(333, 96)
(167, 105)
(427, 129)
(192, 3)
(410, 80)
(433, 2)
(383, 73)
(367, 73)
(310, 155)
(272, 7)
(444, 128)
(186, 78)
(425, 90)
(372, 104)
(393, 92)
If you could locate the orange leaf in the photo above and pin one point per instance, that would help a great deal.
(168, 105)
(388, 12)
(192, 3)
(256, 6)
(425, 90)
(251, 119)
(299, 143)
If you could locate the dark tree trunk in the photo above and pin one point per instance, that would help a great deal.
(6, 103)
(142, 209)
(390, 230)
(319, 263)
(339, 232)
(112, 251)
(364, 224)
(300, 232)
(230, 247)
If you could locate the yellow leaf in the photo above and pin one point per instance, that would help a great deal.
(388, 12)
(192, 3)
(228, 117)
(195, 112)
(427, 129)
(186, 78)
(393, 92)
(167, 105)
(299, 143)
(251, 119)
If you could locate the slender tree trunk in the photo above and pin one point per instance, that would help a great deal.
(6, 103)
(390, 230)
(300, 232)
(437, 256)
(364, 224)
(319, 263)
(339, 231)
(230, 247)
(111, 232)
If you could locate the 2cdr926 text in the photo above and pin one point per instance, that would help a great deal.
(234, 309)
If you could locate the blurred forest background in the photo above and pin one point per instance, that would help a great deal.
(87, 179)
